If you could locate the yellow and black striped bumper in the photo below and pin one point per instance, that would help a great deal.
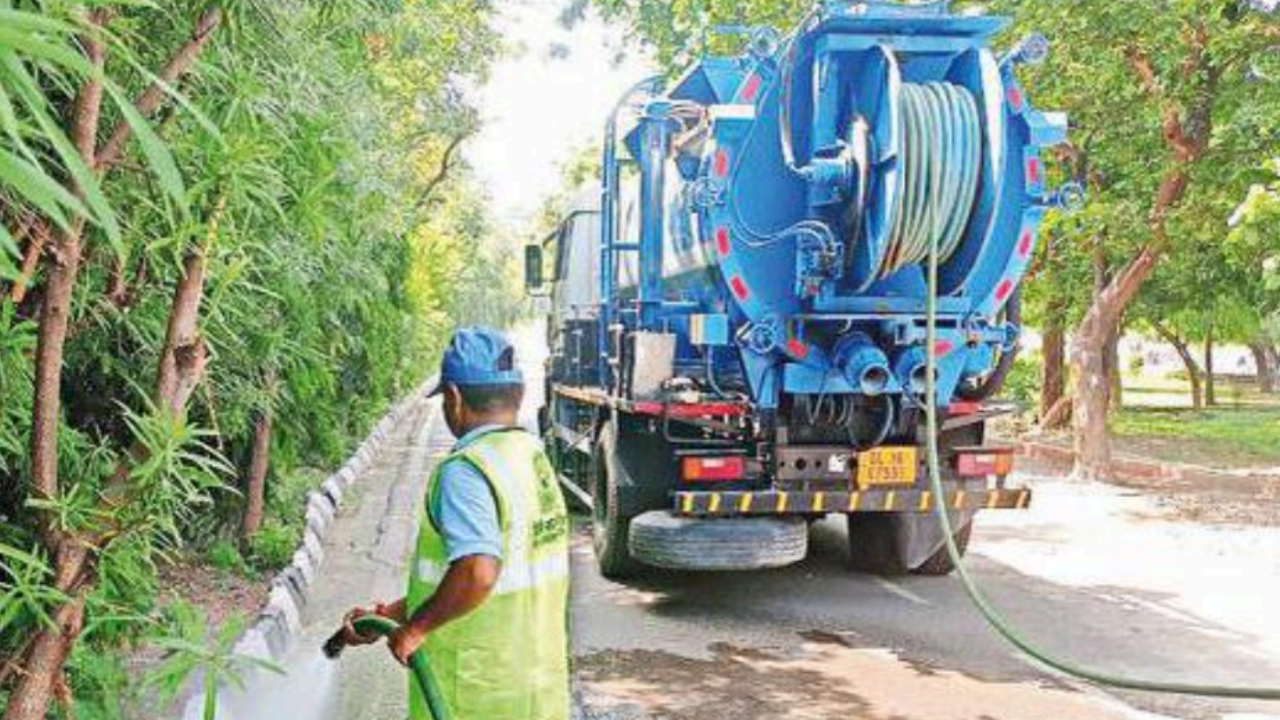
(779, 502)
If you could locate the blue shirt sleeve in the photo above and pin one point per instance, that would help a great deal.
(466, 513)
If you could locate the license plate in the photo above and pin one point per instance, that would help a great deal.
(887, 466)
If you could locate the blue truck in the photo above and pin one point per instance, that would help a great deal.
(737, 322)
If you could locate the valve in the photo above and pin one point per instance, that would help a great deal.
(1031, 50)
(1069, 197)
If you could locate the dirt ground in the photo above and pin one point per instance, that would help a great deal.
(1236, 497)
(220, 593)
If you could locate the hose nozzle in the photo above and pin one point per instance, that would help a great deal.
(336, 643)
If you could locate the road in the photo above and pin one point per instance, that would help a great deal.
(1101, 575)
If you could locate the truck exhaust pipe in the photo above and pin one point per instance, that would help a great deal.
(864, 365)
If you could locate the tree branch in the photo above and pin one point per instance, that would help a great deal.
(149, 102)
(1141, 65)
(442, 173)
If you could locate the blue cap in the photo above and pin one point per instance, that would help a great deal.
(478, 356)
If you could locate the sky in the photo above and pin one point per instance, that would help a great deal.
(546, 99)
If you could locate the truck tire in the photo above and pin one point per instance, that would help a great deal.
(939, 564)
(662, 539)
(892, 544)
(609, 526)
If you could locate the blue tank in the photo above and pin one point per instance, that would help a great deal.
(784, 202)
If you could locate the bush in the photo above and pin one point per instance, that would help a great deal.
(287, 496)
(224, 555)
(272, 547)
(100, 682)
(1023, 382)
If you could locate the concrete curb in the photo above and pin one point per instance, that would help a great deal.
(280, 619)
(1136, 469)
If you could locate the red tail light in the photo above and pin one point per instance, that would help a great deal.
(702, 469)
(981, 462)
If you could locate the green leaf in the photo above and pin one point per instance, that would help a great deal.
(29, 92)
(155, 150)
(37, 188)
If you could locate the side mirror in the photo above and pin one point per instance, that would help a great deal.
(533, 268)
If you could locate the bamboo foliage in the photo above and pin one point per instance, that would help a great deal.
(210, 213)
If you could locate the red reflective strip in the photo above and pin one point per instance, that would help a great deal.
(1033, 170)
(1015, 97)
(689, 410)
(963, 407)
(721, 163)
(798, 348)
(722, 241)
(942, 347)
(739, 287)
(1024, 244)
(1004, 289)
(750, 89)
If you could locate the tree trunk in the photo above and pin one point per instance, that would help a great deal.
(1089, 397)
(1264, 361)
(1183, 348)
(1210, 385)
(1053, 378)
(183, 358)
(1115, 381)
(259, 463)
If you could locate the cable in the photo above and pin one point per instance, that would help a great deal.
(989, 613)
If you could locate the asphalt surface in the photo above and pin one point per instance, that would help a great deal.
(1100, 575)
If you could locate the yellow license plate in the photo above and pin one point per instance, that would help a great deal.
(887, 466)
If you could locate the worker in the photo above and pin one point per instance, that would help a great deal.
(488, 585)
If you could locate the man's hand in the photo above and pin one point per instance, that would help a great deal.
(404, 642)
(352, 637)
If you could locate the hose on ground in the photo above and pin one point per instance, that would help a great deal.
(979, 599)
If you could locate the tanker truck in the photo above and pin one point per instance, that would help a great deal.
(737, 308)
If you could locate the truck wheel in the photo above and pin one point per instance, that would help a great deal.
(900, 543)
(939, 563)
(609, 527)
(664, 540)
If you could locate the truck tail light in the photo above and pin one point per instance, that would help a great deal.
(702, 469)
(985, 461)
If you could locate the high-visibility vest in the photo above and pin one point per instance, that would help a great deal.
(509, 658)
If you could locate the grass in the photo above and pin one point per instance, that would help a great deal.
(1242, 430)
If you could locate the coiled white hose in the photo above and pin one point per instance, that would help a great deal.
(939, 167)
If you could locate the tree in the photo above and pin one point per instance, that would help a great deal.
(1165, 94)
(1254, 248)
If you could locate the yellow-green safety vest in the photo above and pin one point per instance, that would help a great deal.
(509, 658)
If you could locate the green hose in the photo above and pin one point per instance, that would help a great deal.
(419, 666)
(994, 618)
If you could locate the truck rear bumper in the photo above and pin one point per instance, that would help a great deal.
(780, 502)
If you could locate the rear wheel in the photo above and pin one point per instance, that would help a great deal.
(902, 543)
(939, 563)
(609, 526)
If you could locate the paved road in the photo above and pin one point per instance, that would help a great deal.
(1094, 573)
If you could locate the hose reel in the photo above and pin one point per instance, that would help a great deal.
(939, 165)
